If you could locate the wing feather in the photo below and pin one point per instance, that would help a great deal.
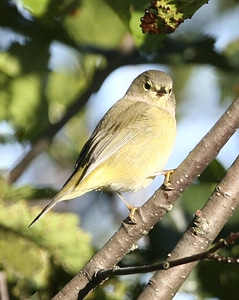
(110, 136)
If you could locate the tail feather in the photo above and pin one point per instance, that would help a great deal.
(44, 211)
(69, 191)
(64, 194)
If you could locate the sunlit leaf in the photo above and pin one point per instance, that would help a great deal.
(95, 23)
(55, 242)
(164, 16)
(37, 8)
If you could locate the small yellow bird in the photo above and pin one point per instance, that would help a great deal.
(130, 145)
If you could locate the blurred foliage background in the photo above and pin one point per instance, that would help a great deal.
(54, 57)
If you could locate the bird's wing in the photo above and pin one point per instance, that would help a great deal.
(109, 138)
(100, 147)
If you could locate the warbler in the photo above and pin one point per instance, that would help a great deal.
(130, 145)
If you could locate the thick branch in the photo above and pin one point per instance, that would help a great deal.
(153, 210)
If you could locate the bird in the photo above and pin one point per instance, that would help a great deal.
(130, 146)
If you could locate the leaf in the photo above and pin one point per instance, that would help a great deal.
(36, 7)
(24, 104)
(196, 196)
(164, 16)
(121, 8)
(95, 23)
(28, 192)
(53, 243)
(213, 173)
(218, 280)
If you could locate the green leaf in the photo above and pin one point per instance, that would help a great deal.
(213, 173)
(24, 103)
(121, 8)
(37, 8)
(28, 192)
(55, 242)
(164, 16)
(95, 23)
(218, 279)
(196, 196)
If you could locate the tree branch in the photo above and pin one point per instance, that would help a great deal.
(3, 286)
(153, 210)
(165, 265)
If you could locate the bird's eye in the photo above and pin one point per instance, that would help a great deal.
(147, 85)
(170, 91)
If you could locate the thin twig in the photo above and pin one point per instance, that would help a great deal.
(165, 265)
(3, 286)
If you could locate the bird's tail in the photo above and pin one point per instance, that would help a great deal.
(45, 210)
(70, 190)
(64, 194)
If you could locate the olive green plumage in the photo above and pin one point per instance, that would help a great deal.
(130, 145)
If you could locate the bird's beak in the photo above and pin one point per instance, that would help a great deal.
(162, 91)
